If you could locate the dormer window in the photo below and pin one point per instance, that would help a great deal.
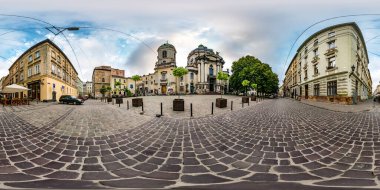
(164, 54)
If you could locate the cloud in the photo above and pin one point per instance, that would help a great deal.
(264, 29)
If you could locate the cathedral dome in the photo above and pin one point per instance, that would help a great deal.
(166, 45)
(202, 48)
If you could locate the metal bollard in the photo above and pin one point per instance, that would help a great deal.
(142, 106)
(191, 109)
(232, 104)
(127, 104)
(161, 109)
(212, 108)
(248, 102)
(112, 101)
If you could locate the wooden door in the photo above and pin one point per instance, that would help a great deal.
(163, 89)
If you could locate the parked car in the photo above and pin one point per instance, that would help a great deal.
(70, 99)
(376, 98)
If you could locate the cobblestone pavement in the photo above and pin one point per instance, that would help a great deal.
(269, 145)
(368, 105)
(201, 105)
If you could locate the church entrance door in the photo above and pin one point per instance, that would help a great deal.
(163, 89)
(212, 85)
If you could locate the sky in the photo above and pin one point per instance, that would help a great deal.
(125, 34)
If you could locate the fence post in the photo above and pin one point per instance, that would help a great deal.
(212, 108)
(191, 109)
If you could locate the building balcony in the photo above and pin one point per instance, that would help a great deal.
(331, 51)
(315, 59)
(305, 66)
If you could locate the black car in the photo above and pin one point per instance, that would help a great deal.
(70, 99)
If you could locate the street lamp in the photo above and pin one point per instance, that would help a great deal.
(356, 85)
(58, 30)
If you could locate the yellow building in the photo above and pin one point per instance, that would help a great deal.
(46, 71)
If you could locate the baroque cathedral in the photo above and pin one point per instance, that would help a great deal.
(203, 65)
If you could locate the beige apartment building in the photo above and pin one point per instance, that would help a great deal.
(331, 65)
(104, 76)
(46, 71)
(87, 88)
(1, 83)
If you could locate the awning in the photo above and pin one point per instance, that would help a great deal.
(14, 88)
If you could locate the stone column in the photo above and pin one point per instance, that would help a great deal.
(199, 73)
(202, 71)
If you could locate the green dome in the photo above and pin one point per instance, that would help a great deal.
(166, 45)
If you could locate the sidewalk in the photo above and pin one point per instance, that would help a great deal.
(369, 106)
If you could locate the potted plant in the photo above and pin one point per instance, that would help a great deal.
(179, 104)
(245, 98)
(253, 96)
(119, 99)
(221, 102)
(109, 89)
(136, 102)
(103, 91)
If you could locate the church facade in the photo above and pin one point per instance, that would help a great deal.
(203, 65)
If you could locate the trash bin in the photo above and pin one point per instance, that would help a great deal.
(119, 100)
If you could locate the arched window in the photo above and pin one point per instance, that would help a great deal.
(164, 54)
(103, 80)
(211, 70)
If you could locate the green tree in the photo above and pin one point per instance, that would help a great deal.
(127, 92)
(103, 91)
(223, 77)
(245, 83)
(117, 87)
(252, 69)
(254, 86)
(109, 89)
(136, 78)
(179, 72)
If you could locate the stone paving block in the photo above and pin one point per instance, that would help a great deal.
(262, 177)
(202, 179)
(347, 182)
(137, 183)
